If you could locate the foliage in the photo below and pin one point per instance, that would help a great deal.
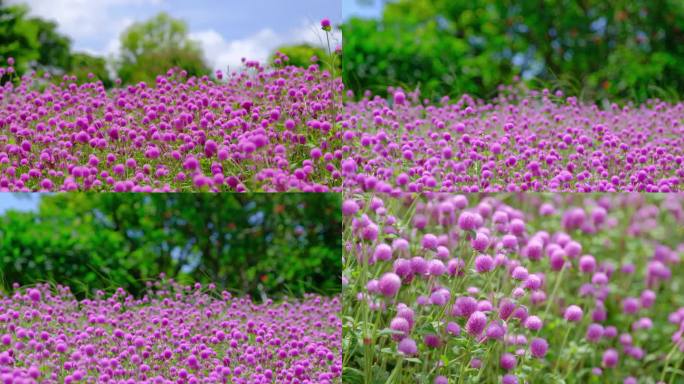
(18, 36)
(173, 334)
(258, 244)
(83, 64)
(301, 56)
(156, 45)
(513, 288)
(35, 44)
(593, 48)
(53, 48)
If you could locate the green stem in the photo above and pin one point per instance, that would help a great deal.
(667, 361)
(395, 372)
(553, 293)
(560, 351)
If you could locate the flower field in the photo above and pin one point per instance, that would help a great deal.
(513, 288)
(521, 141)
(174, 334)
(270, 128)
(263, 129)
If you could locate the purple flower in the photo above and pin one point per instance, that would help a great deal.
(476, 323)
(484, 263)
(538, 347)
(389, 284)
(610, 358)
(383, 252)
(408, 347)
(325, 25)
(507, 361)
(468, 221)
(509, 379)
(573, 314)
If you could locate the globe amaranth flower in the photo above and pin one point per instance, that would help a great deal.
(538, 347)
(389, 284)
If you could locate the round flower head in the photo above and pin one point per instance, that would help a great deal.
(610, 332)
(432, 340)
(495, 331)
(509, 379)
(406, 313)
(573, 314)
(534, 250)
(594, 332)
(429, 241)
(325, 25)
(587, 263)
(517, 227)
(402, 267)
(399, 98)
(453, 328)
(533, 323)
(408, 347)
(464, 306)
(400, 244)
(468, 221)
(476, 323)
(507, 361)
(648, 298)
(401, 325)
(419, 265)
(538, 347)
(389, 284)
(509, 241)
(610, 358)
(438, 298)
(519, 273)
(436, 267)
(484, 263)
(383, 252)
(34, 295)
(630, 305)
(599, 278)
(506, 308)
(480, 242)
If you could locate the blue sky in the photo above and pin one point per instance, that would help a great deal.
(227, 30)
(20, 202)
(362, 8)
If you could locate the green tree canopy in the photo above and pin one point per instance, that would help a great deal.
(156, 45)
(625, 48)
(83, 64)
(53, 48)
(261, 244)
(18, 37)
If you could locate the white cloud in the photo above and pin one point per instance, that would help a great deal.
(224, 54)
(85, 19)
(95, 28)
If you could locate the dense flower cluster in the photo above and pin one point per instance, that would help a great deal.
(262, 129)
(175, 334)
(513, 288)
(521, 141)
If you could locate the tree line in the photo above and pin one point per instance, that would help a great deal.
(148, 48)
(258, 244)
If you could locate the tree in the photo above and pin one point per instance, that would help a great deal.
(152, 47)
(596, 48)
(83, 64)
(261, 244)
(18, 37)
(298, 55)
(53, 48)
